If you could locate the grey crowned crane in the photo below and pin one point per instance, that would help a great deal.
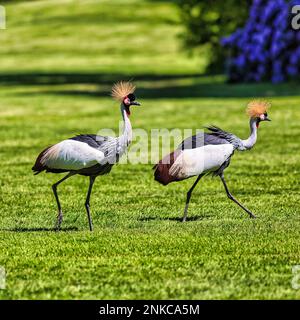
(88, 154)
(209, 153)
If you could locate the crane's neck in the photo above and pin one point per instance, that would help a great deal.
(250, 142)
(126, 137)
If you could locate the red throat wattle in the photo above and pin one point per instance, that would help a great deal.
(257, 124)
(126, 101)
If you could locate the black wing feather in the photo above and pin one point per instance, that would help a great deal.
(201, 139)
(92, 140)
(214, 137)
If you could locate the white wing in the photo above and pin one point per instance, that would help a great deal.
(192, 162)
(71, 155)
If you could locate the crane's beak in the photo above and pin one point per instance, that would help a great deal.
(267, 119)
(135, 103)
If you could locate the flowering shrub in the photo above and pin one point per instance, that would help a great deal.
(206, 22)
(266, 48)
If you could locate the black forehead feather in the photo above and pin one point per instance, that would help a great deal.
(131, 97)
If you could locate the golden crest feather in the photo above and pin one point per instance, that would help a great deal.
(122, 89)
(255, 108)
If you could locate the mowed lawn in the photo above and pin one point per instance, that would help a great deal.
(58, 62)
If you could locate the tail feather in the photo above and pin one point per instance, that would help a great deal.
(162, 169)
(39, 166)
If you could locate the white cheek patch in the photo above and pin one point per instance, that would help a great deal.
(262, 117)
(127, 101)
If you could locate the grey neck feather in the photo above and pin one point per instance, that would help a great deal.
(126, 137)
(250, 142)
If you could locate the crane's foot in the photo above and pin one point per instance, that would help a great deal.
(59, 221)
(251, 215)
(185, 213)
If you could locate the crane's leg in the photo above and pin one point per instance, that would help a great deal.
(231, 197)
(188, 197)
(54, 188)
(87, 202)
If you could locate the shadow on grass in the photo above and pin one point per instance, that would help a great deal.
(152, 86)
(179, 219)
(40, 229)
(56, 78)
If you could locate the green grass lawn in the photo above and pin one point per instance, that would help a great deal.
(58, 62)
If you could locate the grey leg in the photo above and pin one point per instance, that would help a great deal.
(188, 197)
(54, 188)
(231, 197)
(87, 202)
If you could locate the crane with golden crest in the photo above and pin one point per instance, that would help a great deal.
(209, 153)
(89, 154)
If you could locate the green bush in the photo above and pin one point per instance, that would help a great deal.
(206, 22)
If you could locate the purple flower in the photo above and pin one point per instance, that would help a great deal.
(266, 47)
(292, 70)
(277, 78)
(240, 61)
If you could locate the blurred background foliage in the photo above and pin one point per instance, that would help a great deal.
(206, 22)
(267, 47)
(252, 40)
(249, 40)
